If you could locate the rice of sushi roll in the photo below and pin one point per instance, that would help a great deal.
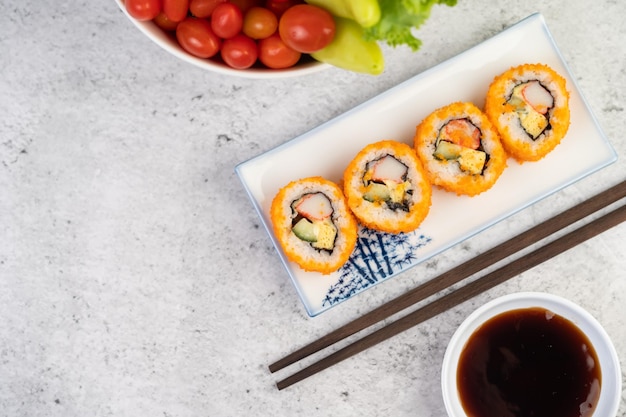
(386, 187)
(313, 224)
(460, 149)
(529, 105)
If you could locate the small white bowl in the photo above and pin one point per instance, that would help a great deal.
(167, 42)
(610, 391)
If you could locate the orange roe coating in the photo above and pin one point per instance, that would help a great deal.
(301, 252)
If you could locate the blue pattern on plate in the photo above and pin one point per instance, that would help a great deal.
(377, 256)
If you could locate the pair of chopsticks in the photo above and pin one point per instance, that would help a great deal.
(457, 274)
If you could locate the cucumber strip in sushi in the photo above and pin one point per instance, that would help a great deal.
(460, 149)
(386, 187)
(313, 224)
(529, 105)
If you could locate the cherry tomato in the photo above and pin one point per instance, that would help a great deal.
(203, 8)
(226, 20)
(245, 5)
(278, 7)
(196, 37)
(274, 53)
(306, 28)
(175, 10)
(239, 52)
(165, 23)
(259, 23)
(143, 10)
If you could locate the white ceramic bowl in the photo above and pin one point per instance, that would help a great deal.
(610, 391)
(158, 36)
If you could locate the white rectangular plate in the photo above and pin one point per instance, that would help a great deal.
(327, 149)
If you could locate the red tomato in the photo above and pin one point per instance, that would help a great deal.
(245, 5)
(164, 23)
(239, 52)
(203, 8)
(143, 10)
(306, 28)
(259, 23)
(196, 37)
(279, 6)
(175, 10)
(226, 20)
(274, 53)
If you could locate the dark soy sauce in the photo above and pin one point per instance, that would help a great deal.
(529, 363)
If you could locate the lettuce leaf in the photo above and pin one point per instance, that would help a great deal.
(399, 18)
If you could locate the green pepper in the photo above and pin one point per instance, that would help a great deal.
(365, 12)
(349, 49)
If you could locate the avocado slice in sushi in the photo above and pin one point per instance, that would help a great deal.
(305, 230)
(321, 234)
(447, 150)
(377, 192)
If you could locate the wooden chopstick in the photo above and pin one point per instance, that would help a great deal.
(457, 274)
(473, 289)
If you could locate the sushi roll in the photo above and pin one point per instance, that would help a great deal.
(529, 105)
(313, 224)
(460, 149)
(386, 187)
